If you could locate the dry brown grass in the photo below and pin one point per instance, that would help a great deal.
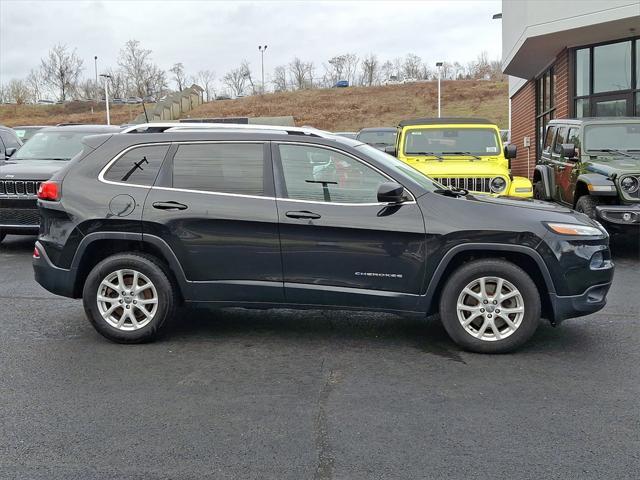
(349, 109)
(74, 112)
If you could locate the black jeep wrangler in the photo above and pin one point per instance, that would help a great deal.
(593, 165)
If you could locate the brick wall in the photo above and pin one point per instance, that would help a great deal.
(523, 124)
(561, 68)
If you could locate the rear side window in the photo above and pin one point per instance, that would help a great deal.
(139, 166)
(220, 167)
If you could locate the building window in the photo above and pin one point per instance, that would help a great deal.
(545, 105)
(607, 79)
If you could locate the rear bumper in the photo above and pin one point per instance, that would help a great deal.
(54, 279)
(620, 215)
(591, 301)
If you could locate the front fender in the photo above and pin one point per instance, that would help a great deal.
(520, 187)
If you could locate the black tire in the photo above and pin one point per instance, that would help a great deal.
(2, 236)
(587, 204)
(474, 270)
(538, 191)
(146, 265)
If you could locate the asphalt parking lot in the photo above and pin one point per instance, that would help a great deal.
(319, 395)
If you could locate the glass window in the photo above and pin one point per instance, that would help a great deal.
(561, 138)
(582, 72)
(52, 145)
(619, 136)
(548, 139)
(322, 175)
(574, 137)
(582, 107)
(378, 137)
(548, 94)
(612, 67)
(139, 166)
(611, 108)
(220, 167)
(429, 141)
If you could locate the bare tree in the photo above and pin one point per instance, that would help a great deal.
(117, 83)
(388, 70)
(244, 66)
(412, 66)
(205, 80)
(370, 70)
(36, 83)
(143, 76)
(301, 73)
(178, 75)
(87, 89)
(4, 94)
(236, 80)
(62, 69)
(480, 69)
(18, 91)
(280, 78)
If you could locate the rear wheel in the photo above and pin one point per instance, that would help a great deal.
(490, 306)
(129, 298)
(538, 191)
(587, 204)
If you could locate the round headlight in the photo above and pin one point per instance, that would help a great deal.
(629, 184)
(498, 184)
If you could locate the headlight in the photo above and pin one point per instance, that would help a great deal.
(574, 229)
(498, 184)
(629, 184)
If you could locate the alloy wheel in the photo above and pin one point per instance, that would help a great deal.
(127, 300)
(490, 308)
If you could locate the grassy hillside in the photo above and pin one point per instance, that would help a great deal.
(349, 109)
(74, 112)
(337, 109)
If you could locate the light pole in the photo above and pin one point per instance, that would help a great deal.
(262, 50)
(439, 67)
(95, 63)
(106, 94)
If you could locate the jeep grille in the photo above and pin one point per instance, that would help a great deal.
(473, 184)
(20, 188)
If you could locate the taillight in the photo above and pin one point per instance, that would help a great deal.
(36, 252)
(49, 191)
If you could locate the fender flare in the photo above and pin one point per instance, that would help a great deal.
(546, 176)
(598, 180)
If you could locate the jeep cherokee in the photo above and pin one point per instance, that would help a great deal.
(265, 217)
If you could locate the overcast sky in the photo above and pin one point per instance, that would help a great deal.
(217, 35)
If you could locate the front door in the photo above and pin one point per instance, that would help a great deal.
(340, 246)
(216, 210)
(561, 166)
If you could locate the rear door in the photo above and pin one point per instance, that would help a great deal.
(214, 206)
(559, 162)
(340, 246)
(566, 176)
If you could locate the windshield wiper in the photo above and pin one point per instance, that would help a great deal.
(462, 153)
(429, 154)
(452, 192)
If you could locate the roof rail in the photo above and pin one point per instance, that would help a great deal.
(160, 127)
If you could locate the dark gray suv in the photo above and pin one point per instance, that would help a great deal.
(264, 217)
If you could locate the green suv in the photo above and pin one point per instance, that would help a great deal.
(593, 165)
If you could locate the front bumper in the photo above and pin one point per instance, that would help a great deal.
(622, 215)
(56, 280)
(19, 216)
(591, 301)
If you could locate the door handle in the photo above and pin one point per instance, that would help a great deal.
(303, 214)
(171, 205)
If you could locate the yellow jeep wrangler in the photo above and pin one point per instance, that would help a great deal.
(460, 152)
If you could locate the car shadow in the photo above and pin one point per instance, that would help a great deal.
(625, 247)
(18, 243)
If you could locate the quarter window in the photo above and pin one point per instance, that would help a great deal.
(323, 175)
(139, 166)
(220, 167)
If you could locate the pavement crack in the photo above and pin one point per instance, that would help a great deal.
(324, 468)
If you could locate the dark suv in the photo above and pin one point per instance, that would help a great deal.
(284, 217)
(593, 165)
(21, 174)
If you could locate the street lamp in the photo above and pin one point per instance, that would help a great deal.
(106, 94)
(439, 67)
(262, 49)
(95, 62)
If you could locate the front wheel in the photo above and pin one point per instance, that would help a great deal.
(129, 298)
(490, 306)
(587, 204)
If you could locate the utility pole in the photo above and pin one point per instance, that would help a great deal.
(106, 94)
(439, 67)
(262, 49)
(95, 62)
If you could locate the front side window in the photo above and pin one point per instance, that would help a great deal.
(451, 141)
(560, 139)
(236, 168)
(323, 175)
(548, 139)
(574, 137)
(138, 166)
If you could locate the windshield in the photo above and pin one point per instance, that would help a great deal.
(378, 138)
(400, 167)
(452, 141)
(615, 136)
(51, 145)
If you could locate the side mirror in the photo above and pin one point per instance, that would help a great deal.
(390, 192)
(510, 151)
(390, 149)
(10, 151)
(568, 150)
